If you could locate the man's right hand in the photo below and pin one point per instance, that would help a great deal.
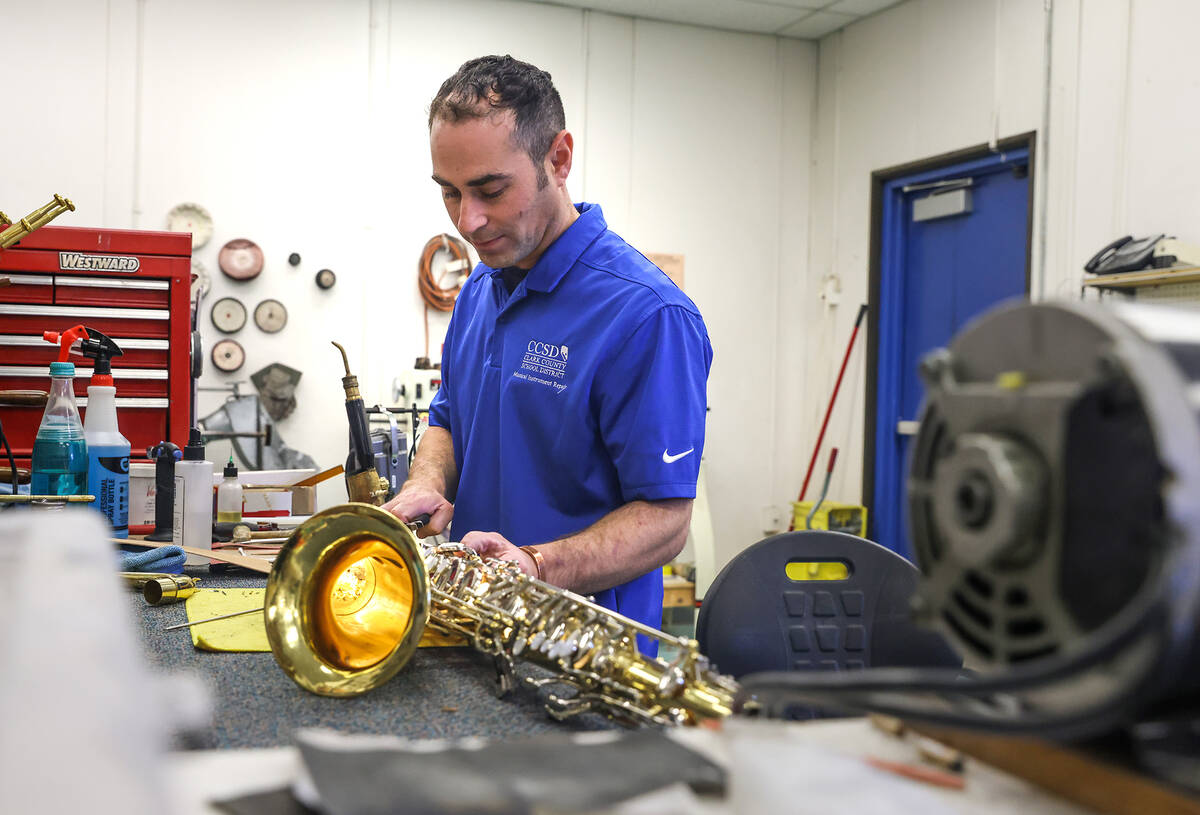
(415, 500)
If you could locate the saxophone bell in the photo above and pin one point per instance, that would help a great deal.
(347, 600)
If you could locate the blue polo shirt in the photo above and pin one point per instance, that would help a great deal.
(582, 390)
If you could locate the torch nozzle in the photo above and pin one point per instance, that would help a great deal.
(345, 359)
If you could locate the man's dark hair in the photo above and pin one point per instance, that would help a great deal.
(486, 85)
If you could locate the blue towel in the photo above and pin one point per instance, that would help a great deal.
(166, 559)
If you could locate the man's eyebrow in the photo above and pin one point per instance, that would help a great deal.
(475, 182)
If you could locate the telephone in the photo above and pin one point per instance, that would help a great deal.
(1130, 254)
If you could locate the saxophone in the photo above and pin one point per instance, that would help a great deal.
(508, 614)
(353, 591)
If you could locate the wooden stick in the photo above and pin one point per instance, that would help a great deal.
(1075, 775)
(313, 480)
(254, 564)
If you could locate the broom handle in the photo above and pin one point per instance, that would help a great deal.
(833, 398)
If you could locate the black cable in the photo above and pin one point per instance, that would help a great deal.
(12, 462)
(944, 697)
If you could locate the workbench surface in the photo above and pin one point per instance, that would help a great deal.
(440, 693)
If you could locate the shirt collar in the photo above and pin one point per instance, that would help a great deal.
(561, 255)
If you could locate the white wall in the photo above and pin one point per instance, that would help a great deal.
(1125, 106)
(301, 125)
(919, 79)
(932, 76)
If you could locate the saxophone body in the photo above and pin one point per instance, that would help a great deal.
(510, 615)
(352, 591)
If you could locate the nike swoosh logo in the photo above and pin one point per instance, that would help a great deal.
(668, 458)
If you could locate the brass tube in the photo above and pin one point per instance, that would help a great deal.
(35, 220)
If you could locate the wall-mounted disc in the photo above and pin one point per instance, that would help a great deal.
(270, 316)
(228, 315)
(191, 218)
(240, 259)
(201, 281)
(326, 278)
(228, 355)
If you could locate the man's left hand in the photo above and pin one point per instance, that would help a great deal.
(495, 545)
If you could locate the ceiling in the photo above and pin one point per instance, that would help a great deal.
(802, 19)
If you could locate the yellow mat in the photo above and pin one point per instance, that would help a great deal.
(249, 632)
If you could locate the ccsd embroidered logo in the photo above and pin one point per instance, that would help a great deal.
(544, 363)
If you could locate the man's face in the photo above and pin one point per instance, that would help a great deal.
(490, 188)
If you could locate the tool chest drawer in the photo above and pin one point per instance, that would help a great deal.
(108, 291)
(28, 288)
(142, 421)
(31, 349)
(133, 286)
(128, 381)
(136, 322)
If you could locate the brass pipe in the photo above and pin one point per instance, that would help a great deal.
(23, 398)
(46, 499)
(160, 588)
(35, 220)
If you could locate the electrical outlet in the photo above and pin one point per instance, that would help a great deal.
(416, 387)
(772, 520)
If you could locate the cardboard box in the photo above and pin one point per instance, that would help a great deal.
(266, 502)
(304, 500)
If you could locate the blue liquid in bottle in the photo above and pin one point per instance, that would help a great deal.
(60, 458)
(60, 465)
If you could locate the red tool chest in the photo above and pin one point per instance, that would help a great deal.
(133, 286)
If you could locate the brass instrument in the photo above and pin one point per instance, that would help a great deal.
(353, 589)
(46, 499)
(34, 220)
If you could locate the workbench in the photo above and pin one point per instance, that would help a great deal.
(440, 693)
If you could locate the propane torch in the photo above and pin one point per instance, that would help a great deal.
(363, 483)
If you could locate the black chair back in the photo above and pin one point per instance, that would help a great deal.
(755, 617)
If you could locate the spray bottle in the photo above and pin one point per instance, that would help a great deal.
(108, 450)
(60, 457)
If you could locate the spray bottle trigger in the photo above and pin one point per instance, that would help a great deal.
(65, 339)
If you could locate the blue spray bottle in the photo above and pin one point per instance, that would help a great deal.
(108, 450)
(59, 449)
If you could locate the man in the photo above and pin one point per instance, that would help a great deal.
(567, 433)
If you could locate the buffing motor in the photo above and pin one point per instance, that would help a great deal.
(1054, 510)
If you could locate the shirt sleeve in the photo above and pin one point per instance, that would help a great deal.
(653, 399)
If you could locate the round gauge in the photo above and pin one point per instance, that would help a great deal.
(228, 355)
(228, 315)
(270, 316)
(191, 218)
(201, 282)
(240, 259)
(294, 259)
(326, 278)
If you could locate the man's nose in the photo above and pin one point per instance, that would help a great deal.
(471, 216)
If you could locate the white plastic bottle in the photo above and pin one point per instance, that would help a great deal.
(229, 496)
(193, 499)
(108, 450)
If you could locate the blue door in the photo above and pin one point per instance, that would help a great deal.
(953, 243)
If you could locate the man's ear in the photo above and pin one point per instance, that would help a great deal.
(558, 158)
